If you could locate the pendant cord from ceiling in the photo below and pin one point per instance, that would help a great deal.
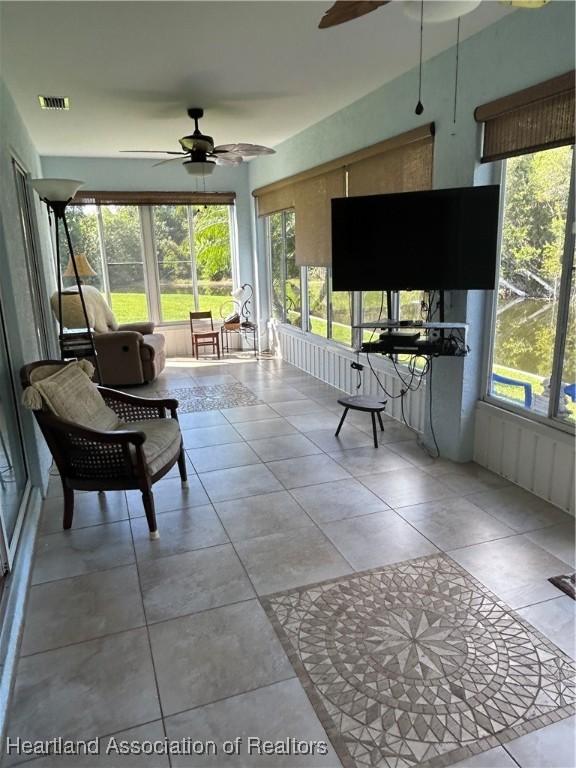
(457, 66)
(420, 107)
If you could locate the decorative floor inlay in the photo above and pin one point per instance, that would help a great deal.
(418, 664)
(211, 397)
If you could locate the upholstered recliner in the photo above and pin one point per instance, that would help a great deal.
(127, 354)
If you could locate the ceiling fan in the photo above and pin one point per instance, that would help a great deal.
(202, 156)
(344, 10)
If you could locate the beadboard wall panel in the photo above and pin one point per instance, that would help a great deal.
(535, 456)
(330, 363)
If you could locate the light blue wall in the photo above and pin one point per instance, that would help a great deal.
(111, 174)
(14, 285)
(525, 48)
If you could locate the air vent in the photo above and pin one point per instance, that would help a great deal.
(54, 102)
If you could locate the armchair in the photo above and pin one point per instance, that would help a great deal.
(139, 451)
(128, 354)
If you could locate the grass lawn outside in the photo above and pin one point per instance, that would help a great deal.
(132, 307)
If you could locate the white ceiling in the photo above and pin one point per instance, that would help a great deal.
(263, 71)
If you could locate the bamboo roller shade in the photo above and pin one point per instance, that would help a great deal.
(86, 197)
(403, 163)
(537, 118)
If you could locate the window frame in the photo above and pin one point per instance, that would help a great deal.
(551, 419)
(150, 260)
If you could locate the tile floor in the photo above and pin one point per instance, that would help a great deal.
(143, 640)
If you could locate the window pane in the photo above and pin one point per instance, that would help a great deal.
(374, 308)
(213, 257)
(342, 317)
(535, 209)
(276, 230)
(123, 247)
(318, 300)
(83, 225)
(172, 241)
(567, 407)
(292, 289)
(411, 305)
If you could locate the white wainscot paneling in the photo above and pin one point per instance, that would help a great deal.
(533, 455)
(330, 362)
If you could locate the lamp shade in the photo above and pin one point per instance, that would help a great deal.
(56, 190)
(238, 293)
(82, 265)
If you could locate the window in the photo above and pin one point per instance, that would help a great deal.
(317, 279)
(534, 321)
(156, 262)
(285, 276)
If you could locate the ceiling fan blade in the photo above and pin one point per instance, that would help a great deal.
(246, 150)
(227, 159)
(153, 151)
(343, 11)
(168, 160)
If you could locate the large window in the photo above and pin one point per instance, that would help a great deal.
(285, 276)
(155, 262)
(533, 358)
(318, 289)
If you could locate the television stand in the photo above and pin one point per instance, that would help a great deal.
(417, 337)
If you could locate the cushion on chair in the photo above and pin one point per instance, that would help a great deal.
(70, 394)
(152, 345)
(162, 443)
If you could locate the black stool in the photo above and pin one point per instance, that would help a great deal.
(366, 404)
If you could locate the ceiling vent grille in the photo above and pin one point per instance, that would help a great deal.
(54, 102)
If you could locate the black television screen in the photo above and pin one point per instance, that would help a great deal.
(443, 239)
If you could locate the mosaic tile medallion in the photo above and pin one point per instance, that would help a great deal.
(212, 397)
(418, 664)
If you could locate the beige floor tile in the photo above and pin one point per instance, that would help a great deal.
(261, 515)
(297, 407)
(201, 419)
(337, 500)
(222, 457)
(257, 430)
(519, 509)
(348, 438)
(370, 460)
(556, 619)
(98, 687)
(170, 495)
(193, 581)
(201, 437)
(268, 713)
(249, 413)
(89, 509)
(82, 608)
(378, 539)
(406, 487)
(514, 568)
(238, 482)
(493, 758)
(180, 531)
(73, 553)
(291, 559)
(215, 654)
(558, 540)
(549, 747)
(308, 470)
(454, 522)
(283, 447)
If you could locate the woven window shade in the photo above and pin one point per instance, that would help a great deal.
(541, 117)
(313, 204)
(405, 169)
(84, 197)
(276, 200)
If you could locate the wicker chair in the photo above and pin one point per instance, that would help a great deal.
(94, 460)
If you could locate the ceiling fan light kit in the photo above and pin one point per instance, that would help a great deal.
(439, 11)
(201, 156)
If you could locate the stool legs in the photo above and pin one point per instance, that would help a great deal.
(374, 429)
(380, 420)
(341, 421)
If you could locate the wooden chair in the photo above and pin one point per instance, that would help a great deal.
(112, 460)
(204, 337)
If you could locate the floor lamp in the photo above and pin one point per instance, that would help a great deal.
(57, 193)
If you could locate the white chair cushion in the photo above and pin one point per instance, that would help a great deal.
(162, 443)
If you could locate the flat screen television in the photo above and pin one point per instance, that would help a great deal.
(443, 239)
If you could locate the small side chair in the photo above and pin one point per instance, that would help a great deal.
(125, 442)
(204, 335)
